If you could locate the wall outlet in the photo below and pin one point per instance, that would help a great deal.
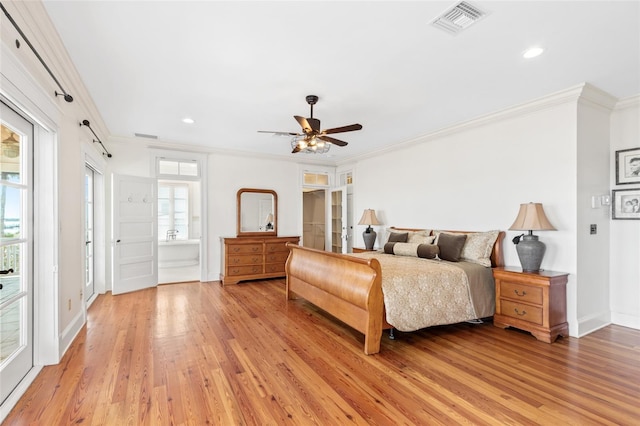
(593, 229)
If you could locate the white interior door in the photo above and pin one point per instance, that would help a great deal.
(16, 248)
(135, 240)
(338, 220)
(89, 281)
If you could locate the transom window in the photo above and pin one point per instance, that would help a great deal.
(178, 168)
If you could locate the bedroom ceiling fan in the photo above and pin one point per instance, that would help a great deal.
(312, 139)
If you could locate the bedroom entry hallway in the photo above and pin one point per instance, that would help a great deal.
(206, 354)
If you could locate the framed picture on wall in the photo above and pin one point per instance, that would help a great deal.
(628, 166)
(626, 204)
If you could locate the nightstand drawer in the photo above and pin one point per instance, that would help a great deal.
(521, 292)
(532, 314)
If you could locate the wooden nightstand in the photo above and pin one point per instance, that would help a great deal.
(360, 250)
(532, 301)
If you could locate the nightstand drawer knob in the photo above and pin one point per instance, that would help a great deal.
(524, 293)
(518, 312)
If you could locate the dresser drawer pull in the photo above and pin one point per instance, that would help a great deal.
(524, 293)
(256, 248)
(518, 312)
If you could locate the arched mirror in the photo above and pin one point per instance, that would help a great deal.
(257, 212)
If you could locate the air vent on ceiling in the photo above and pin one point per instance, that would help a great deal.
(459, 17)
(144, 135)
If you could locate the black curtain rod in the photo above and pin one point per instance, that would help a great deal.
(67, 97)
(86, 123)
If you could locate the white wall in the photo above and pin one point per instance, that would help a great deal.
(227, 173)
(474, 177)
(594, 112)
(625, 234)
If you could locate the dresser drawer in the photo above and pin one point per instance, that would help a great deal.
(245, 259)
(532, 314)
(278, 257)
(521, 292)
(244, 270)
(244, 248)
(274, 267)
(276, 247)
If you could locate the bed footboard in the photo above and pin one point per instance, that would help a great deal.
(347, 287)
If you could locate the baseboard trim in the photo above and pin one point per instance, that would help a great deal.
(625, 320)
(70, 333)
(591, 323)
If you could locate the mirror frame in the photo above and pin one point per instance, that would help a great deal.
(239, 231)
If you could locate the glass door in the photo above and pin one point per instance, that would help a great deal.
(16, 264)
(339, 220)
(89, 282)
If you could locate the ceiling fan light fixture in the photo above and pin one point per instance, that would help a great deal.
(309, 146)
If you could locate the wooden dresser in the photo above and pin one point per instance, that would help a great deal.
(253, 258)
(532, 301)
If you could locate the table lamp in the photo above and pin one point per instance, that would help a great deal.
(369, 235)
(530, 218)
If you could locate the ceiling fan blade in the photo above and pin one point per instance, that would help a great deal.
(306, 128)
(333, 140)
(342, 129)
(280, 133)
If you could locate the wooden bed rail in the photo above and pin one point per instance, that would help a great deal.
(347, 287)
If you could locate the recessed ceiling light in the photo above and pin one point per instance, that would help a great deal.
(188, 120)
(532, 52)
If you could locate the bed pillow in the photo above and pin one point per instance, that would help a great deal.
(412, 236)
(478, 247)
(418, 238)
(425, 251)
(397, 237)
(450, 246)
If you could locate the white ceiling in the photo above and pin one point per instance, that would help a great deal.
(239, 67)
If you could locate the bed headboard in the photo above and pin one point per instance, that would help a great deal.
(497, 255)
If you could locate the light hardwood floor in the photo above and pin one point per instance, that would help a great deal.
(203, 354)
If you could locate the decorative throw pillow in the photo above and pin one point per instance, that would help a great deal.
(397, 237)
(388, 247)
(451, 246)
(478, 247)
(415, 237)
(428, 251)
(425, 251)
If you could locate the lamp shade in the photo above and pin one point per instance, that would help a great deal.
(269, 218)
(531, 217)
(369, 218)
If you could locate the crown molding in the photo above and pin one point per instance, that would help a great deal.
(570, 95)
(631, 102)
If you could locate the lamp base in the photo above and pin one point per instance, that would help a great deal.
(530, 251)
(369, 238)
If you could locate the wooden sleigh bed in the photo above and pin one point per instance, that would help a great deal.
(355, 288)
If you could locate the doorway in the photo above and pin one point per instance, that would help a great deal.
(89, 205)
(16, 250)
(313, 218)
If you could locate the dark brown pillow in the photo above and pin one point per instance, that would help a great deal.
(428, 251)
(451, 246)
(396, 237)
(388, 248)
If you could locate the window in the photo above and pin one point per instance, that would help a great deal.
(173, 211)
(177, 168)
(316, 179)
